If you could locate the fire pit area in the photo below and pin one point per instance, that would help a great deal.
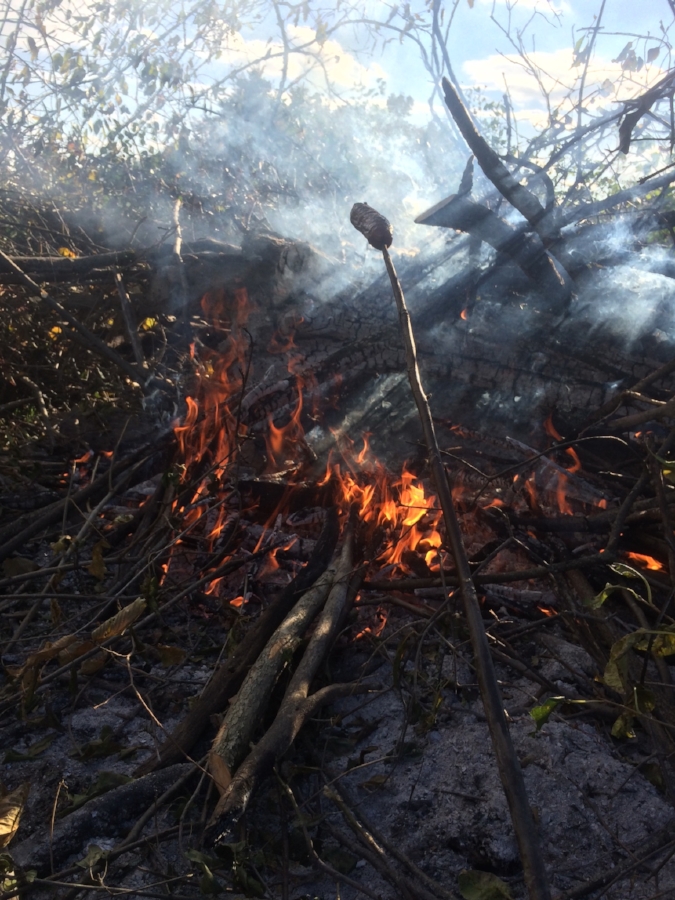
(344, 569)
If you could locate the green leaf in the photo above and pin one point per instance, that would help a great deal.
(105, 745)
(616, 671)
(208, 883)
(105, 782)
(630, 572)
(94, 854)
(249, 885)
(623, 727)
(32, 752)
(340, 859)
(597, 601)
(474, 885)
(541, 714)
(643, 699)
(203, 859)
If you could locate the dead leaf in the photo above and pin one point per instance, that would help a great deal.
(119, 623)
(170, 656)
(95, 663)
(94, 854)
(11, 807)
(18, 565)
(49, 651)
(97, 565)
(55, 611)
(377, 781)
(71, 653)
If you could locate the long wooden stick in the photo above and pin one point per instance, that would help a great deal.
(507, 760)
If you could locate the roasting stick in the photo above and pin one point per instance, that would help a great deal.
(379, 234)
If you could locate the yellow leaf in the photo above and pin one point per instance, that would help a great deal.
(123, 519)
(64, 251)
(147, 324)
(119, 623)
(62, 544)
(11, 807)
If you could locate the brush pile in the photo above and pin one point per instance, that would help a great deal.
(233, 654)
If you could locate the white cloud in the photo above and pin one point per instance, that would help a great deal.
(559, 79)
(330, 60)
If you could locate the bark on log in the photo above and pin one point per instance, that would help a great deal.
(296, 707)
(526, 250)
(246, 711)
(542, 220)
(228, 678)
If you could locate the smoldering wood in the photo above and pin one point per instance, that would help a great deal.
(526, 250)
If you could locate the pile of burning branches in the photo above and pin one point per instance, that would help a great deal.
(238, 568)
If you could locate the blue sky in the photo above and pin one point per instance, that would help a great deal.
(476, 45)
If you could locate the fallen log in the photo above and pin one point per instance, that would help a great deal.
(297, 706)
(247, 709)
(227, 680)
(526, 250)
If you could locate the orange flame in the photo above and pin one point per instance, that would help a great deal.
(648, 562)
(561, 496)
